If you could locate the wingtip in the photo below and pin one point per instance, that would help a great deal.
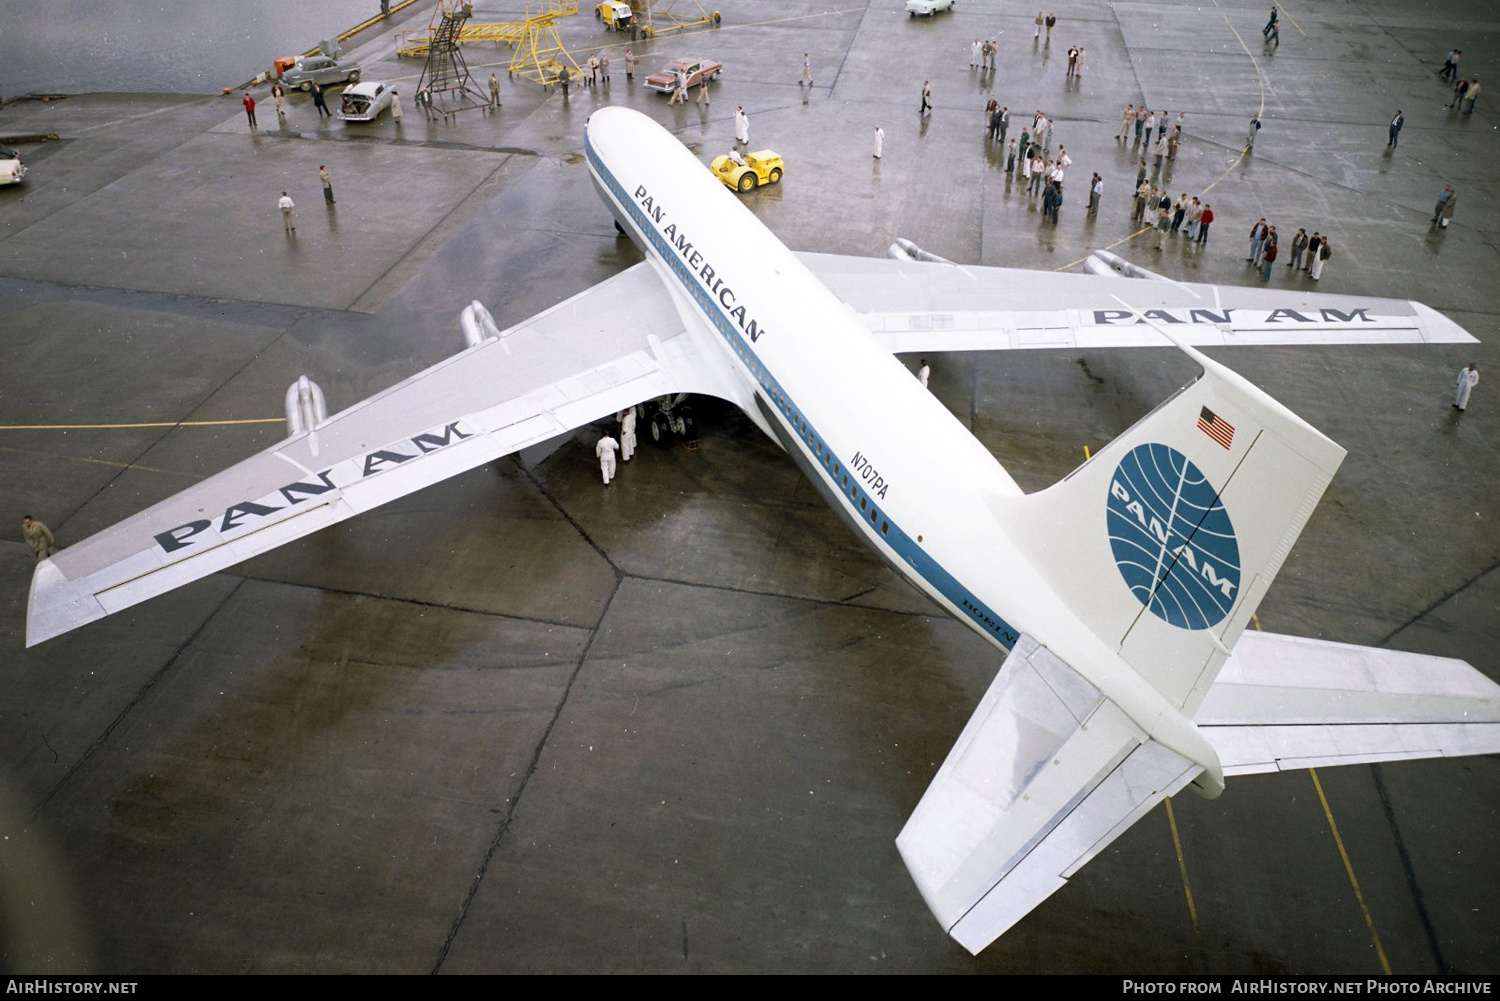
(56, 605)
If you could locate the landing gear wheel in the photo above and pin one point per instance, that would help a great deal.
(689, 424)
(747, 182)
(661, 430)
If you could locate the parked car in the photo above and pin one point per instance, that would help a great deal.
(321, 69)
(12, 170)
(363, 102)
(616, 16)
(927, 8)
(745, 173)
(665, 80)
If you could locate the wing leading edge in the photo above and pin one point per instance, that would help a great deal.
(608, 348)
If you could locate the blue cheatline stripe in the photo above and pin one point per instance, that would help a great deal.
(861, 504)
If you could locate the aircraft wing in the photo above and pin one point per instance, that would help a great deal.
(1282, 702)
(606, 349)
(1045, 775)
(919, 306)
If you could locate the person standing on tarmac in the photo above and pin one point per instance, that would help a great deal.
(40, 540)
(627, 433)
(605, 450)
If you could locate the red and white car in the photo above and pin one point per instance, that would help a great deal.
(12, 170)
(665, 80)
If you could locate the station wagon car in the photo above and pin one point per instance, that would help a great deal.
(364, 102)
(665, 80)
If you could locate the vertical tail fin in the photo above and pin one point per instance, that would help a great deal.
(1166, 540)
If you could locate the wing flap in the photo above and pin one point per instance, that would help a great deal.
(1045, 774)
(1284, 702)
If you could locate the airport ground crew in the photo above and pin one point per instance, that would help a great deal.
(741, 126)
(39, 537)
(879, 141)
(605, 450)
(1468, 378)
(924, 373)
(627, 433)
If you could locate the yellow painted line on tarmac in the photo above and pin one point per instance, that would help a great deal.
(53, 457)
(147, 424)
(1187, 887)
(1385, 964)
(1260, 78)
(1112, 246)
(1292, 19)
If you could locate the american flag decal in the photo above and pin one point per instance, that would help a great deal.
(1216, 427)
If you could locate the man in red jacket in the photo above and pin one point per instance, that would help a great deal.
(249, 103)
(1208, 218)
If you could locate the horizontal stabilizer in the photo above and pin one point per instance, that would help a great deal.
(1045, 775)
(1282, 702)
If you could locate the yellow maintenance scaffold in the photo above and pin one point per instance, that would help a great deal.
(537, 49)
(661, 17)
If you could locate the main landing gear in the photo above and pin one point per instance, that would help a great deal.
(672, 418)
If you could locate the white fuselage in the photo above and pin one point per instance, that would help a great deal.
(883, 451)
(888, 456)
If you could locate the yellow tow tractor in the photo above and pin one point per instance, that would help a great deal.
(747, 172)
(615, 16)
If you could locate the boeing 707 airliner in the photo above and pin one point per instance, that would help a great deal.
(1121, 593)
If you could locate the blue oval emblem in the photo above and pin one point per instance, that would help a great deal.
(1172, 539)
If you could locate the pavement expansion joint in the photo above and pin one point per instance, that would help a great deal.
(125, 710)
(514, 801)
(417, 602)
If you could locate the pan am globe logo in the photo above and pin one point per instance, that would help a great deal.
(1172, 538)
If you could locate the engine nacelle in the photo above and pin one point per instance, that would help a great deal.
(305, 406)
(904, 250)
(478, 324)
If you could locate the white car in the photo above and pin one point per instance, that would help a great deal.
(364, 102)
(927, 7)
(12, 170)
